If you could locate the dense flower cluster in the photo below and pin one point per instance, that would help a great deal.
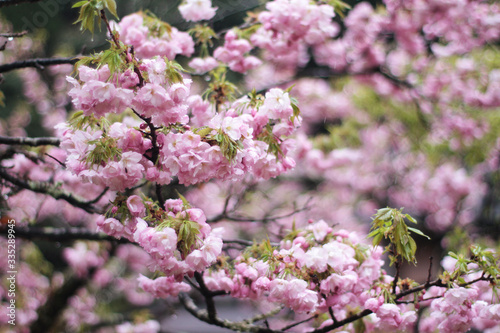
(314, 269)
(151, 37)
(179, 242)
(288, 26)
(236, 141)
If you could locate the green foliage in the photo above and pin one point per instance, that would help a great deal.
(477, 260)
(185, 203)
(80, 121)
(229, 147)
(263, 250)
(295, 106)
(220, 90)
(104, 150)
(388, 223)
(344, 135)
(114, 57)
(256, 100)
(203, 35)
(173, 71)
(90, 10)
(384, 109)
(272, 141)
(157, 27)
(187, 231)
(187, 235)
(32, 255)
(339, 6)
(246, 33)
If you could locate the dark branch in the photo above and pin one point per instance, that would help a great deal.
(346, 321)
(299, 322)
(33, 142)
(202, 315)
(57, 302)
(37, 63)
(62, 234)
(44, 188)
(238, 241)
(209, 298)
(13, 34)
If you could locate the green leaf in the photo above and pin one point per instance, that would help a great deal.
(413, 249)
(184, 200)
(411, 219)
(2, 99)
(111, 6)
(295, 108)
(79, 4)
(418, 232)
(377, 239)
(287, 90)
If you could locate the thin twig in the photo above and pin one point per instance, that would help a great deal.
(99, 197)
(299, 322)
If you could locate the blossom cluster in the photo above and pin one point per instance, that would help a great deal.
(197, 10)
(229, 144)
(289, 26)
(313, 270)
(178, 240)
(151, 37)
(233, 53)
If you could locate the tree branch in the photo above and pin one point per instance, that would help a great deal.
(224, 216)
(33, 142)
(13, 34)
(37, 63)
(42, 188)
(57, 302)
(202, 315)
(299, 322)
(209, 298)
(62, 234)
